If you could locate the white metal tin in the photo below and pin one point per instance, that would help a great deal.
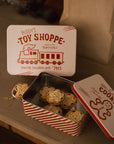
(32, 49)
(98, 97)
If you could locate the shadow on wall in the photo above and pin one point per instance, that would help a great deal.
(50, 10)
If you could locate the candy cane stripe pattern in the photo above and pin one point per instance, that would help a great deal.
(53, 120)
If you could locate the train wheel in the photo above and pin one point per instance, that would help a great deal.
(59, 63)
(27, 62)
(22, 61)
(31, 62)
(54, 62)
(35, 62)
(47, 62)
(42, 62)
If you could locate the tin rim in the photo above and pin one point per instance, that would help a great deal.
(14, 95)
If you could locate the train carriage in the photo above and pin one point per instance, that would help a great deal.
(51, 57)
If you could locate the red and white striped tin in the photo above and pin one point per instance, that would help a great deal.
(53, 120)
(33, 108)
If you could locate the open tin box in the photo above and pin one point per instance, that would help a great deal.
(95, 95)
(33, 106)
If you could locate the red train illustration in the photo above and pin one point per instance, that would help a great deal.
(34, 56)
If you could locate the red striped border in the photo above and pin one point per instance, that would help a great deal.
(53, 120)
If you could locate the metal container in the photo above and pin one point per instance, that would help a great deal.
(32, 49)
(98, 98)
(33, 106)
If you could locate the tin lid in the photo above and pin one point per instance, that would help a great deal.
(98, 98)
(32, 49)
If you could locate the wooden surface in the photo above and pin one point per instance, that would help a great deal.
(29, 137)
(5, 125)
(21, 133)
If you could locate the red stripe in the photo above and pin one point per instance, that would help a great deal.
(29, 109)
(56, 122)
(66, 127)
(53, 120)
(54, 116)
(60, 127)
(37, 112)
(42, 115)
(32, 109)
(69, 131)
(46, 118)
(30, 105)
